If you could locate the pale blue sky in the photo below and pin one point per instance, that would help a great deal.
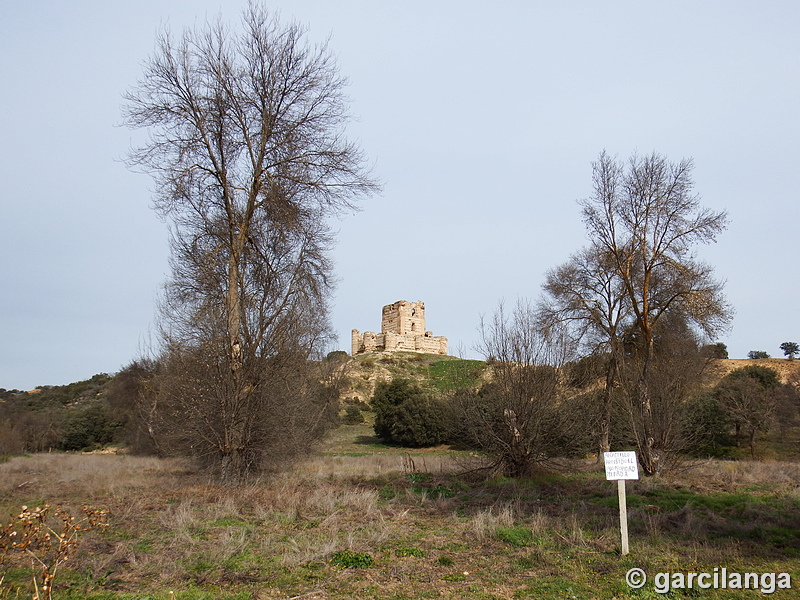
(482, 121)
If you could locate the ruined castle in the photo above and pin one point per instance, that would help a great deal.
(402, 328)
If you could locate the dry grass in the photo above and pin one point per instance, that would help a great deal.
(734, 475)
(783, 366)
(85, 475)
(430, 532)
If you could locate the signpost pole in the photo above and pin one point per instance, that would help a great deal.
(623, 515)
(621, 466)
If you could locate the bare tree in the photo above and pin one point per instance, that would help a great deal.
(135, 400)
(516, 418)
(585, 295)
(645, 216)
(677, 375)
(248, 152)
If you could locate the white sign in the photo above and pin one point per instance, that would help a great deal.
(621, 465)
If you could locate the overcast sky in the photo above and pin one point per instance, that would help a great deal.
(482, 121)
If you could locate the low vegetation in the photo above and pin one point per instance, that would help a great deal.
(366, 517)
(362, 520)
(77, 416)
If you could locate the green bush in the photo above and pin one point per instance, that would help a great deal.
(706, 428)
(385, 400)
(346, 559)
(352, 415)
(717, 350)
(768, 378)
(90, 427)
(405, 415)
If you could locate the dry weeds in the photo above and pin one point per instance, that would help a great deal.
(429, 530)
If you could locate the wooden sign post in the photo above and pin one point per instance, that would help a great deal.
(621, 466)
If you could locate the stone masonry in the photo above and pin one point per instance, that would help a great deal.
(402, 328)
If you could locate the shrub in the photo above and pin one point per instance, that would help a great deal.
(337, 355)
(706, 427)
(420, 421)
(757, 354)
(405, 415)
(749, 397)
(352, 415)
(346, 559)
(385, 400)
(768, 378)
(718, 350)
(90, 427)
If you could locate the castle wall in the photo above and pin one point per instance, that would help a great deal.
(402, 328)
(403, 317)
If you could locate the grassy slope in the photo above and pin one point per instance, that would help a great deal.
(430, 533)
(431, 371)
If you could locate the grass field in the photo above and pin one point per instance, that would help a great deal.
(362, 520)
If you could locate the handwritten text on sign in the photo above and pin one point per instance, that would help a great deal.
(621, 465)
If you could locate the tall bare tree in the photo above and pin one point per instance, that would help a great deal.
(645, 216)
(248, 152)
(585, 295)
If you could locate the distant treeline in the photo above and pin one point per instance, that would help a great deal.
(77, 416)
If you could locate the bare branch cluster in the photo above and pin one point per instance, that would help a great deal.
(520, 418)
(248, 152)
(31, 536)
(637, 285)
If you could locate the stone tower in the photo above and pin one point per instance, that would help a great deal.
(402, 328)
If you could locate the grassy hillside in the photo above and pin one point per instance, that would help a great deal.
(433, 372)
(784, 367)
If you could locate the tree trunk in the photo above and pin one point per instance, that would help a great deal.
(233, 307)
(648, 455)
(604, 435)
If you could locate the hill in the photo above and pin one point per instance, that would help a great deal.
(433, 372)
(439, 373)
(784, 367)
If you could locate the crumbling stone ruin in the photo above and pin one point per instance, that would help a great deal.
(402, 328)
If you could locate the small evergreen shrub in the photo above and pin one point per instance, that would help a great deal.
(706, 427)
(347, 559)
(89, 427)
(352, 415)
(768, 378)
(407, 416)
